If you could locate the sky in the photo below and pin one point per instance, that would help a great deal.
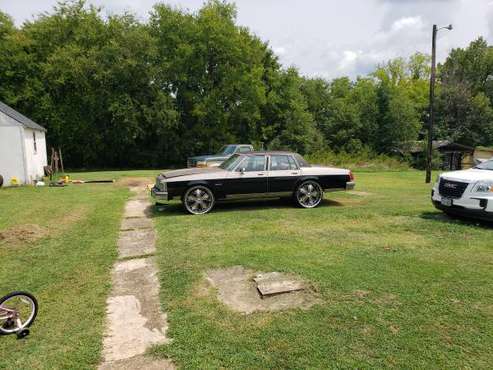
(329, 38)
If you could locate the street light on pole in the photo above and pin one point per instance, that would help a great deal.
(429, 151)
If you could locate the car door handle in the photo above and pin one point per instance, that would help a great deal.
(260, 174)
(294, 173)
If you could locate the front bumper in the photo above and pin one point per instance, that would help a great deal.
(350, 185)
(480, 214)
(159, 196)
(469, 205)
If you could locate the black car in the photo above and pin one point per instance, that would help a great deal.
(251, 175)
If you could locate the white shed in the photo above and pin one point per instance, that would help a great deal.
(22, 147)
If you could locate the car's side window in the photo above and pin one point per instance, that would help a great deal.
(282, 163)
(244, 149)
(253, 163)
(292, 163)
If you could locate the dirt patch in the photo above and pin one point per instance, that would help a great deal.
(237, 289)
(139, 185)
(358, 193)
(27, 233)
(361, 293)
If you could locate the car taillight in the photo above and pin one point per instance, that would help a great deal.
(351, 176)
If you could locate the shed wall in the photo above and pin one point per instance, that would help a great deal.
(11, 150)
(35, 155)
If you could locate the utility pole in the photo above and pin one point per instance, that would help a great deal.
(429, 151)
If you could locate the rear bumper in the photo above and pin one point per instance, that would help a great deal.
(350, 185)
(159, 195)
(480, 214)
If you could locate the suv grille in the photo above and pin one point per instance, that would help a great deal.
(452, 189)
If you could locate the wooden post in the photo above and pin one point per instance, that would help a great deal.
(61, 161)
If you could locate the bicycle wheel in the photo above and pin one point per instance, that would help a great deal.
(17, 312)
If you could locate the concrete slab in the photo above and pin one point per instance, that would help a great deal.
(141, 193)
(237, 290)
(141, 363)
(134, 319)
(137, 208)
(272, 283)
(136, 223)
(133, 243)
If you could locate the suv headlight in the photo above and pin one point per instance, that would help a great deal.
(483, 187)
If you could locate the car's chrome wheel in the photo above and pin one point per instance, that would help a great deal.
(198, 200)
(309, 194)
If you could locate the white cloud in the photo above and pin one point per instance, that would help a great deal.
(407, 22)
(279, 51)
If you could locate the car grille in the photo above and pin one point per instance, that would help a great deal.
(452, 189)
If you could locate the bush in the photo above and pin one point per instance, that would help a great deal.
(364, 160)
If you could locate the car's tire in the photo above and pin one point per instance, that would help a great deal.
(308, 194)
(198, 200)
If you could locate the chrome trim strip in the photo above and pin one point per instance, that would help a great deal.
(159, 195)
(259, 195)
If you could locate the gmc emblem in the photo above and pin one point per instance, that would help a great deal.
(449, 185)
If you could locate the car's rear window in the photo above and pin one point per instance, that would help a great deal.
(301, 161)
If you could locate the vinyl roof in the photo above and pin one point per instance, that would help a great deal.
(23, 120)
(268, 152)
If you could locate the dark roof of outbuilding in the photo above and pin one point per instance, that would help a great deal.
(23, 120)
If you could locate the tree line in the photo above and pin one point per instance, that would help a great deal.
(118, 92)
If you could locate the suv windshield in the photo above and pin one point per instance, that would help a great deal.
(227, 150)
(488, 165)
(230, 163)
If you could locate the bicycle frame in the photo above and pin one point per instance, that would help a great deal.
(10, 314)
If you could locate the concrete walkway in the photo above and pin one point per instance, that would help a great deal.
(134, 319)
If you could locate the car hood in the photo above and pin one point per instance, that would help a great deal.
(470, 175)
(189, 171)
(208, 157)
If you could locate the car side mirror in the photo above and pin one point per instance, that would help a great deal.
(242, 170)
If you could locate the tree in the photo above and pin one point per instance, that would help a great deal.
(464, 102)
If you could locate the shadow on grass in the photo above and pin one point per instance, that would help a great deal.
(456, 219)
(176, 208)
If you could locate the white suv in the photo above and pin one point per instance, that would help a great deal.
(467, 192)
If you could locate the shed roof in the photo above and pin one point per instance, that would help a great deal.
(23, 120)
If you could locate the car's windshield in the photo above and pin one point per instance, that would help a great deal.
(488, 165)
(227, 150)
(230, 163)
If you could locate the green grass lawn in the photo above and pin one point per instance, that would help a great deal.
(66, 264)
(401, 284)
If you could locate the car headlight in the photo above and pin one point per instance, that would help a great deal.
(483, 187)
(201, 164)
(162, 185)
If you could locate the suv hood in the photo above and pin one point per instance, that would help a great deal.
(189, 171)
(470, 175)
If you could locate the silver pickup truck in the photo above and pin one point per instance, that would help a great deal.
(214, 160)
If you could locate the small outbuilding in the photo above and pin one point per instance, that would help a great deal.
(22, 148)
